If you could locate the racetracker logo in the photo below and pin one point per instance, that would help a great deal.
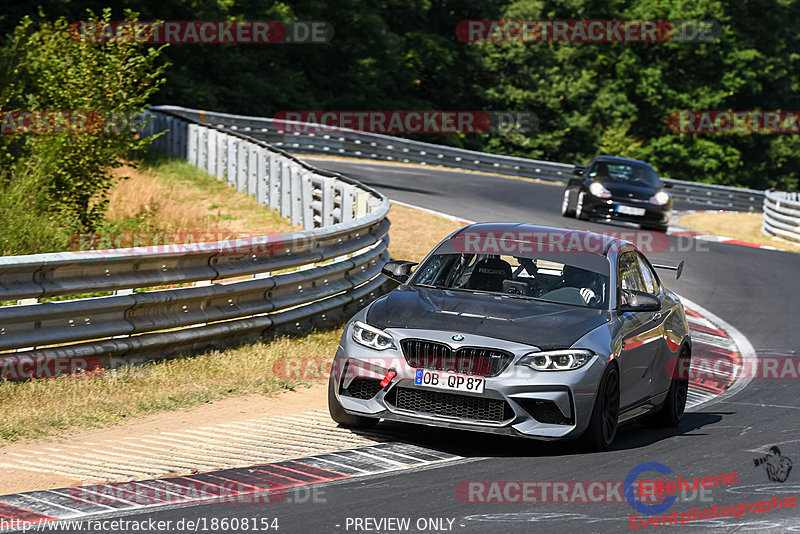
(407, 122)
(26, 367)
(201, 32)
(220, 243)
(734, 122)
(719, 368)
(527, 242)
(174, 491)
(68, 122)
(588, 31)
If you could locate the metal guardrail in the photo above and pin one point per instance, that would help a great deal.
(315, 139)
(238, 290)
(782, 215)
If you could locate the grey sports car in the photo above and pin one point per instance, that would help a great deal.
(517, 329)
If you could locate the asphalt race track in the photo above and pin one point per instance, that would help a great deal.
(754, 290)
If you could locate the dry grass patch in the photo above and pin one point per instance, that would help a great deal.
(744, 226)
(171, 196)
(46, 407)
(414, 233)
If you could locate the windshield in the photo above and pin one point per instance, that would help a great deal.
(625, 173)
(576, 279)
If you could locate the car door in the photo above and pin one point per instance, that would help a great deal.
(659, 377)
(641, 347)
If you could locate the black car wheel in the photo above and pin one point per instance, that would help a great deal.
(579, 207)
(605, 414)
(342, 417)
(567, 205)
(669, 414)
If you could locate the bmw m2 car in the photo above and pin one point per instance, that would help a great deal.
(618, 189)
(519, 330)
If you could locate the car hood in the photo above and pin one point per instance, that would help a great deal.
(636, 191)
(543, 324)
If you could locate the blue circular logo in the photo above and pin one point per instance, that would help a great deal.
(458, 337)
(630, 485)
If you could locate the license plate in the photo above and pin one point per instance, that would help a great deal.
(449, 381)
(629, 210)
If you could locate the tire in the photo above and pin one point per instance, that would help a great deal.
(342, 417)
(603, 425)
(579, 207)
(567, 207)
(669, 414)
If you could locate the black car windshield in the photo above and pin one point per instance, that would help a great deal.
(577, 279)
(625, 173)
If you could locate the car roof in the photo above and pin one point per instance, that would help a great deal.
(617, 159)
(530, 233)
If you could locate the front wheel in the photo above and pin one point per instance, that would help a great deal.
(339, 415)
(567, 207)
(579, 211)
(605, 415)
(672, 410)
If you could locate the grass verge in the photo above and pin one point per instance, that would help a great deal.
(744, 226)
(49, 407)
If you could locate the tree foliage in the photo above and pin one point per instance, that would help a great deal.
(590, 98)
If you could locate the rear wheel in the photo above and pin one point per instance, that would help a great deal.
(672, 410)
(605, 415)
(342, 417)
(567, 206)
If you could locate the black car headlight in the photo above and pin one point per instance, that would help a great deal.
(660, 198)
(372, 337)
(599, 190)
(557, 360)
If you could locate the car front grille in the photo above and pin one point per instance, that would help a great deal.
(479, 361)
(363, 388)
(451, 405)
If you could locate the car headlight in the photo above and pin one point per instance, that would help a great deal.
(372, 337)
(557, 360)
(599, 190)
(660, 198)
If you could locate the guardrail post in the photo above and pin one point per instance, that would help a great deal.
(252, 169)
(202, 148)
(211, 151)
(231, 159)
(296, 216)
(274, 191)
(192, 144)
(262, 176)
(241, 166)
(305, 202)
(286, 180)
(361, 204)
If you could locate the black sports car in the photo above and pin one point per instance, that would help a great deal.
(618, 189)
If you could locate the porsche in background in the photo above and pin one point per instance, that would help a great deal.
(618, 189)
(519, 330)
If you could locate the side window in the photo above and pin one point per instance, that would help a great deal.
(629, 275)
(648, 276)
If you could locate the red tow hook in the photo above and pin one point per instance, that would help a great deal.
(388, 378)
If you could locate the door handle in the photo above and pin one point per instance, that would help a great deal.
(657, 316)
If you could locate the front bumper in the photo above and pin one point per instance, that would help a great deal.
(518, 401)
(606, 209)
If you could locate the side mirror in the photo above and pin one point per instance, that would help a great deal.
(397, 270)
(578, 170)
(638, 301)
